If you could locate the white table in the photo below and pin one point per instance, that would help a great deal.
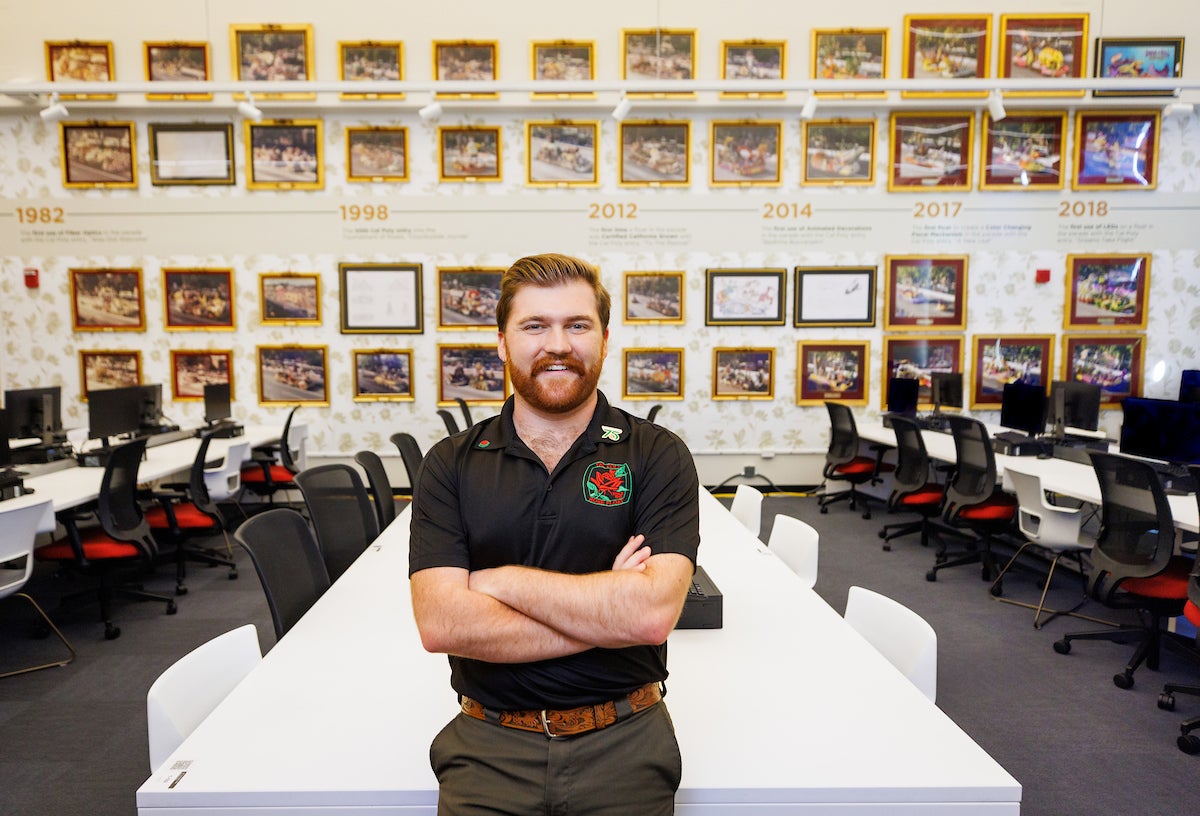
(784, 710)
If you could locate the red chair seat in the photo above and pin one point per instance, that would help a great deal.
(254, 473)
(1000, 507)
(927, 496)
(1170, 584)
(187, 516)
(858, 466)
(97, 546)
(1192, 613)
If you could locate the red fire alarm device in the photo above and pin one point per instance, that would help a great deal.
(31, 277)
(1043, 276)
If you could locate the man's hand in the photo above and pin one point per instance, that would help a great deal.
(633, 555)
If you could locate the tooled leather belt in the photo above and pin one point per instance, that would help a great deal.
(569, 722)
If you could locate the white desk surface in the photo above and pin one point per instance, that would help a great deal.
(784, 710)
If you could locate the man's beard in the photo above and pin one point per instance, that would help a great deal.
(559, 397)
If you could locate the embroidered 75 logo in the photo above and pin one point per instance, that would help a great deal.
(607, 484)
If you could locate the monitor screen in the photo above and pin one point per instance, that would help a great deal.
(1075, 404)
(151, 404)
(114, 411)
(1189, 385)
(902, 395)
(34, 411)
(216, 402)
(946, 389)
(1161, 429)
(1023, 408)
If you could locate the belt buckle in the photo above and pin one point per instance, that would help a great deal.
(546, 727)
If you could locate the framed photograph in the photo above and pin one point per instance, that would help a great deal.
(284, 154)
(371, 61)
(930, 151)
(290, 298)
(383, 375)
(1136, 58)
(467, 297)
(1107, 291)
(941, 47)
(655, 154)
(199, 153)
(273, 53)
(744, 297)
(381, 298)
(925, 292)
(108, 368)
(1113, 362)
(1116, 149)
(836, 370)
(465, 61)
(107, 300)
(849, 53)
(177, 62)
(290, 375)
(563, 61)
(917, 357)
(654, 297)
(743, 373)
(752, 60)
(98, 154)
(652, 373)
(1043, 46)
(658, 54)
(192, 369)
(998, 359)
(198, 299)
(77, 61)
(839, 151)
(469, 154)
(745, 154)
(835, 296)
(1023, 151)
(561, 154)
(472, 371)
(377, 154)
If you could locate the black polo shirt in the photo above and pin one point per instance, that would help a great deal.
(483, 499)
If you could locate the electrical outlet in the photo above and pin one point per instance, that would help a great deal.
(748, 472)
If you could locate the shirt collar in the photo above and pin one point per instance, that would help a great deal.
(608, 426)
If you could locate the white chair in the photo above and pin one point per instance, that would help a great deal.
(226, 481)
(747, 507)
(18, 529)
(193, 685)
(795, 542)
(899, 634)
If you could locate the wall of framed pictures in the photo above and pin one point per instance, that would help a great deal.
(342, 253)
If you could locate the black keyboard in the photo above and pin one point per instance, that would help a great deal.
(933, 422)
(1175, 478)
(696, 592)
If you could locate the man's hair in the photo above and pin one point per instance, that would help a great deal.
(546, 270)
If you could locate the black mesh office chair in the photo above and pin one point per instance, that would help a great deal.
(380, 485)
(272, 468)
(654, 409)
(466, 412)
(341, 512)
(410, 454)
(449, 421)
(843, 462)
(288, 562)
(913, 491)
(1188, 742)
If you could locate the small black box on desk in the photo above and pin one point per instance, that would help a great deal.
(702, 609)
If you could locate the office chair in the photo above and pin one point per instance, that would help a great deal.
(1188, 742)
(796, 544)
(273, 468)
(341, 513)
(121, 541)
(912, 489)
(1133, 562)
(902, 636)
(380, 486)
(654, 409)
(843, 462)
(466, 412)
(410, 454)
(449, 421)
(747, 507)
(288, 562)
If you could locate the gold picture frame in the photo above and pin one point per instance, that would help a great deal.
(931, 151)
(98, 154)
(658, 54)
(946, 46)
(192, 369)
(655, 297)
(469, 154)
(107, 300)
(751, 60)
(466, 61)
(177, 62)
(108, 368)
(562, 61)
(371, 61)
(655, 153)
(839, 152)
(1044, 45)
(652, 373)
(743, 373)
(850, 54)
(195, 153)
(745, 153)
(377, 154)
(289, 298)
(273, 52)
(383, 375)
(293, 374)
(198, 299)
(472, 372)
(833, 371)
(80, 61)
(561, 154)
(285, 154)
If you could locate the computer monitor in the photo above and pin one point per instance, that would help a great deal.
(1023, 408)
(902, 395)
(1161, 429)
(1074, 404)
(34, 412)
(1189, 385)
(946, 389)
(217, 402)
(6, 459)
(151, 416)
(114, 412)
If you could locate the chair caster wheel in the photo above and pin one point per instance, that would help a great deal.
(1062, 646)
(824, 509)
(887, 547)
(883, 534)
(931, 575)
(1189, 744)
(233, 575)
(867, 515)
(180, 589)
(1123, 681)
(997, 590)
(1166, 701)
(171, 608)
(111, 632)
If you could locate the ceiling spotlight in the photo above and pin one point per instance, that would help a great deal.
(248, 109)
(995, 106)
(623, 108)
(430, 112)
(55, 111)
(810, 108)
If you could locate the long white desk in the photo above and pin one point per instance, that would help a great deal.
(784, 710)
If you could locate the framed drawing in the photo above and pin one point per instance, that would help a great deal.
(835, 370)
(1107, 291)
(1113, 362)
(654, 297)
(930, 151)
(284, 154)
(377, 154)
(192, 369)
(743, 373)
(196, 299)
(469, 154)
(835, 296)
(176, 62)
(290, 298)
(917, 357)
(273, 53)
(998, 359)
(108, 368)
(744, 297)
(198, 153)
(941, 47)
(1023, 151)
(1043, 46)
(380, 298)
(561, 154)
(1136, 58)
(563, 61)
(107, 300)
(1116, 149)
(77, 61)
(751, 60)
(291, 375)
(472, 371)
(655, 154)
(656, 54)
(652, 373)
(467, 297)
(839, 151)
(925, 292)
(465, 61)
(98, 154)
(370, 61)
(849, 53)
(745, 154)
(383, 375)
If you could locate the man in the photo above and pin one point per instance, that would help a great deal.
(551, 551)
